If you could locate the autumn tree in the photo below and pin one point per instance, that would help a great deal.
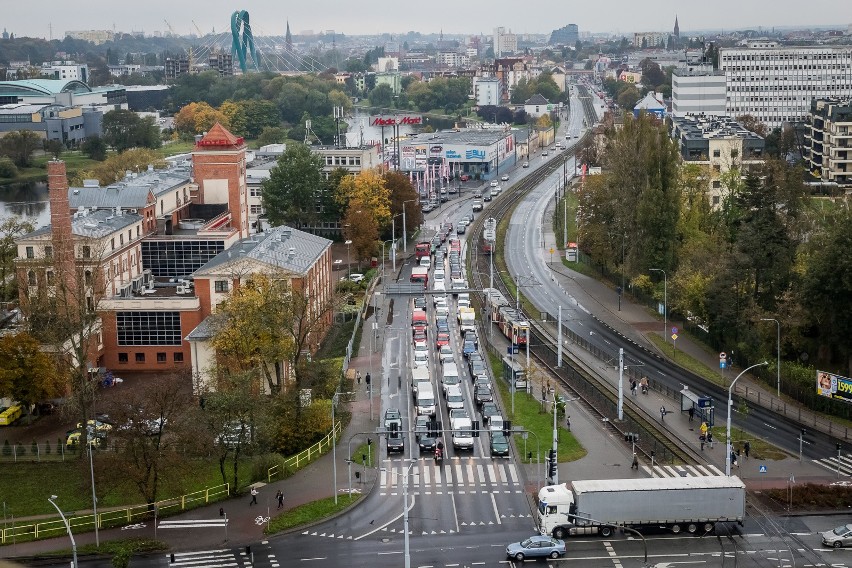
(114, 168)
(151, 429)
(295, 188)
(27, 373)
(197, 118)
(366, 200)
(403, 192)
(10, 229)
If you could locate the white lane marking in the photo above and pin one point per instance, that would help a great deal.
(455, 512)
(496, 513)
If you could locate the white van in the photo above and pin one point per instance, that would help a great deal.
(462, 434)
(426, 262)
(455, 398)
(439, 275)
(426, 403)
(450, 376)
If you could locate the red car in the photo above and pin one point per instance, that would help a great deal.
(442, 339)
(464, 177)
(419, 335)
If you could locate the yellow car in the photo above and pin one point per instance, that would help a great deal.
(73, 438)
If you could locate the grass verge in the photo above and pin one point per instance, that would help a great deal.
(309, 512)
(759, 450)
(529, 416)
(686, 361)
(362, 451)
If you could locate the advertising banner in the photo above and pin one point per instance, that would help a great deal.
(407, 163)
(834, 386)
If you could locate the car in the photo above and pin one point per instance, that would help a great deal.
(535, 547)
(544, 154)
(470, 335)
(481, 380)
(468, 348)
(443, 339)
(425, 262)
(504, 177)
(442, 325)
(525, 165)
(458, 413)
(487, 196)
(445, 354)
(464, 177)
(482, 394)
(488, 410)
(393, 417)
(499, 444)
(353, 278)
(428, 207)
(396, 443)
(421, 359)
(463, 221)
(421, 347)
(453, 190)
(454, 396)
(477, 205)
(419, 335)
(495, 191)
(494, 183)
(496, 424)
(474, 357)
(442, 310)
(439, 300)
(420, 302)
(439, 274)
(461, 229)
(838, 537)
(477, 368)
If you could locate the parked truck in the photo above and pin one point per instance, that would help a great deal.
(693, 504)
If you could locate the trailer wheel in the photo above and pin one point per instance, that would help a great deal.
(708, 527)
(676, 529)
(606, 532)
(559, 533)
(692, 528)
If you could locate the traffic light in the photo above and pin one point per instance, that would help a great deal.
(838, 446)
(803, 432)
(475, 429)
(507, 427)
(551, 463)
(631, 437)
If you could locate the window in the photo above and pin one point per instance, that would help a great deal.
(717, 153)
(148, 328)
(121, 239)
(50, 278)
(178, 357)
(161, 357)
(717, 184)
(48, 252)
(221, 286)
(87, 251)
(140, 357)
(30, 252)
(122, 358)
(87, 277)
(715, 200)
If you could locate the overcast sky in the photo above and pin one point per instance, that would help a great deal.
(374, 16)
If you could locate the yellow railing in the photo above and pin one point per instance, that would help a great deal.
(306, 456)
(115, 517)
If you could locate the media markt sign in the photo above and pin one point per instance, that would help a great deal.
(397, 120)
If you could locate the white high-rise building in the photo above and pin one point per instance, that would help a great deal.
(698, 89)
(505, 43)
(486, 91)
(776, 84)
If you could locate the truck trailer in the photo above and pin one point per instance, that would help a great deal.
(693, 504)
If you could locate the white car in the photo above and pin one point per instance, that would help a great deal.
(442, 310)
(454, 396)
(494, 183)
(439, 275)
(426, 262)
(446, 354)
(421, 359)
(353, 278)
(504, 177)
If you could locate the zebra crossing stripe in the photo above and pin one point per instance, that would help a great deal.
(513, 472)
(470, 474)
(492, 473)
(480, 472)
(427, 471)
(459, 477)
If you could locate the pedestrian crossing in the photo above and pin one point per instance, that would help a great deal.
(843, 463)
(453, 475)
(682, 470)
(224, 558)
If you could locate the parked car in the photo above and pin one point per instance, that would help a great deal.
(464, 177)
(355, 277)
(536, 546)
(838, 537)
(544, 154)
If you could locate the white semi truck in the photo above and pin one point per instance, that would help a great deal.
(693, 504)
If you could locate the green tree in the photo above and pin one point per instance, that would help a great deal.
(628, 98)
(27, 373)
(19, 146)
(294, 188)
(401, 191)
(95, 148)
(381, 96)
(272, 135)
(8, 169)
(124, 129)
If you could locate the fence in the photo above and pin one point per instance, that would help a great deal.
(303, 458)
(112, 518)
(43, 452)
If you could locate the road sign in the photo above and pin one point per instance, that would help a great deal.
(551, 250)
(722, 363)
(674, 337)
(762, 469)
(674, 330)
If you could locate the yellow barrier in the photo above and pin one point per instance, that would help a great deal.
(306, 456)
(81, 523)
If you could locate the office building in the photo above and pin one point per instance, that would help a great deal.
(566, 35)
(698, 89)
(828, 141)
(505, 43)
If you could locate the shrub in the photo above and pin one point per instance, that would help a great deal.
(20, 450)
(8, 169)
(7, 449)
(34, 448)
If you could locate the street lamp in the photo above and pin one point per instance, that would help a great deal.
(67, 528)
(665, 301)
(556, 432)
(730, 404)
(383, 257)
(348, 259)
(393, 224)
(777, 354)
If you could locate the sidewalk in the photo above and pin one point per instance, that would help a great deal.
(636, 322)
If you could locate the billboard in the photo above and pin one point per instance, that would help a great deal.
(834, 386)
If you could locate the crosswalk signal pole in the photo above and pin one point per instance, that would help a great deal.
(801, 437)
(838, 459)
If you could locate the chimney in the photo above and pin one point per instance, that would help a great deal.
(60, 222)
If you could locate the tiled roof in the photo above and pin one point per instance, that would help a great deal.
(219, 137)
(536, 99)
(282, 247)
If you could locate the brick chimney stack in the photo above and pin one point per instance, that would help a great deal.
(60, 222)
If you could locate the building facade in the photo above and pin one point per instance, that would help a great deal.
(505, 42)
(720, 144)
(828, 141)
(697, 90)
(776, 84)
(487, 91)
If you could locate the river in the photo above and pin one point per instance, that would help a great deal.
(26, 200)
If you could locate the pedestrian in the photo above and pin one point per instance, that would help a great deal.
(280, 499)
(253, 496)
(568, 422)
(635, 464)
(746, 448)
(662, 414)
(358, 377)
(701, 439)
(710, 438)
(367, 379)
(633, 387)
(733, 458)
(691, 413)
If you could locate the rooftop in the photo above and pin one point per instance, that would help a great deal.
(93, 224)
(536, 99)
(219, 137)
(692, 127)
(131, 192)
(43, 87)
(470, 137)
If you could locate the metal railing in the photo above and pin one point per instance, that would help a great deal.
(112, 518)
(306, 456)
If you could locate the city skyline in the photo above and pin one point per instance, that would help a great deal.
(35, 19)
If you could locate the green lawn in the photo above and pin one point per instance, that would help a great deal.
(25, 487)
(310, 512)
(527, 414)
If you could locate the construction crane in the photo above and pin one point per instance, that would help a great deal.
(200, 34)
(171, 29)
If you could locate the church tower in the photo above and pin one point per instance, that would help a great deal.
(288, 38)
(676, 30)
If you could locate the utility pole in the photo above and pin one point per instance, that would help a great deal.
(621, 383)
(558, 341)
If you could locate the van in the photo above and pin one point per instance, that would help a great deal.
(426, 401)
(462, 433)
(418, 375)
(450, 376)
